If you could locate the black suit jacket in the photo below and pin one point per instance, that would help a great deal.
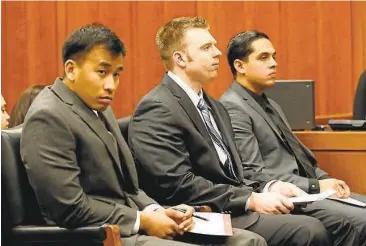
(263, 152)
(79, 177)
(177, 160)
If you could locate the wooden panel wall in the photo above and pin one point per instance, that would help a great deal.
(324, 41)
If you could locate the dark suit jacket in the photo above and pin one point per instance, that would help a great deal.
(175, 154)
(79, 176)
(262, 150)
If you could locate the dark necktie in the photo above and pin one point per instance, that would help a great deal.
(115, 147)
(215, 136)
(305, 166)
(106, 125)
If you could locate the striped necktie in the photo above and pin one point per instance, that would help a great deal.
(215, 136)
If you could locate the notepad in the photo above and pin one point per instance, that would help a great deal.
(218, 224)
(350, 201)
(312, 197)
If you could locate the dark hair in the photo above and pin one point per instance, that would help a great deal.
(82, 40)
(21, 107)
(240, 47)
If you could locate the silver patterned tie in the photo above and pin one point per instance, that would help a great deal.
(215, 136)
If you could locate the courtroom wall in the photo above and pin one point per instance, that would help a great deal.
(324, 41)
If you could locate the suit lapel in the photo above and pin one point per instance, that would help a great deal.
(225, 134)
(218, 119)
(88, 116)
(189, 107)
(122, 145)
(250, 100)
(193, 114)
(304, 148)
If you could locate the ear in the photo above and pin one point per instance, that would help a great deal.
(239, 66)
(179, 59)
(70, 69)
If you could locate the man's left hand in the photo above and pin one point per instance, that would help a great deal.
(184, 220)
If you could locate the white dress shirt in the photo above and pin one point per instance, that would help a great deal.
(195, 98)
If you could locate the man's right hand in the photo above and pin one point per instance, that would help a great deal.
(270, 203)
(159, 225)
(286, 189)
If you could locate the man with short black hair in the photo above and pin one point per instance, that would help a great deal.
(267, 147)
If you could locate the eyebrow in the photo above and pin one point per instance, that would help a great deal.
(208, 43)
(267, 53)
(106, 64)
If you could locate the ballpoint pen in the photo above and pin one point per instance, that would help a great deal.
(194, 215)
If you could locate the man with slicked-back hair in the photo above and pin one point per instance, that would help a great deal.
(268, 149)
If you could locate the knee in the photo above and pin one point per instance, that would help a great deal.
(257, 240)
(313, 232)
(346, 231)
(250, 238)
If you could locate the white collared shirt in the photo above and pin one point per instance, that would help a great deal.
(195, 98)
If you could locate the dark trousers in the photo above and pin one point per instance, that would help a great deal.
(327, 210)
(239, 238)
(321, 228)
(291, 230)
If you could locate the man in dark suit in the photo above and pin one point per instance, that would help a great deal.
(183, 144)
(77, 161)
(267, 147)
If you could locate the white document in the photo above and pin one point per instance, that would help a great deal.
(312, 197)
(217, 224)
(349, 200)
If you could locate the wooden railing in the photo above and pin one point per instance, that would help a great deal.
(340, 153)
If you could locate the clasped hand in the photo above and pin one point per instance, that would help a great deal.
(167, 223)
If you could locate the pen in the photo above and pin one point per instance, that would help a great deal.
(194, 215)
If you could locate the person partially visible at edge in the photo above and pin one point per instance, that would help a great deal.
(267, 147)
(21, 107)
(4, 114)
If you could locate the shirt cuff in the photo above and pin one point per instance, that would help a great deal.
(136, 227)
(247, 204)
(314, 187)
(151, 207)
(325, 176)
(268, 185)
